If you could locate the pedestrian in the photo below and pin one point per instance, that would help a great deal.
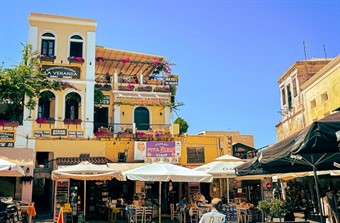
(214, 216)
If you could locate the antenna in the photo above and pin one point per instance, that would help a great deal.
(324, 50)
(304, 49)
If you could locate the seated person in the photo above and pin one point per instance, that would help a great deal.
(183, 206)
(200, 198)
(136, 202)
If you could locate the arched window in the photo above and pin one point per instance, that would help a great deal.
(47, 44)
(72, 106)
(46, 104)
(142, 118)
(76, 46)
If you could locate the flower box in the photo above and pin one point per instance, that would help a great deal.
(125, 135)
(129, 87)
(75, 59)
(144, 88)
(72, 122)
(9, 123)
(162, 89)
(154, 82)
(44, 57)
(45, 120)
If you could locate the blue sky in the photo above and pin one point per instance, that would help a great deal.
(229, 54)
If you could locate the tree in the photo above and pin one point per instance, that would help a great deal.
(183, 125)
(25, 79)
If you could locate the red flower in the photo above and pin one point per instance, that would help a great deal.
(155, 62)
(126, 60)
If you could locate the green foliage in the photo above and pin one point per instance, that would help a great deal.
(272, 207)
(25, 79)
(98, 96)
(183, 125)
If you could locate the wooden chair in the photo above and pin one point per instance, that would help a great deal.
(194, 216)
(138, 215)
(173, 212)
(148, 214)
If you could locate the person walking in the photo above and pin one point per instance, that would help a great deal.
(214, 216)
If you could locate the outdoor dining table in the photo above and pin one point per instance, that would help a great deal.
(29, 210)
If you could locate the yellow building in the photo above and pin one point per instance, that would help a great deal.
(130, 125)
(321, 93)
(292, 107)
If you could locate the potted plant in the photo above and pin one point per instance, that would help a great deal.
(144, 88)
(272, 208)
(162, 89)
(128, 87)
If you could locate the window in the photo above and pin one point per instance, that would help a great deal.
(289, 96)
(47, 44)
(72, 106)
(195, 155)
(46, 99)
(313, 104)
(283, 96)
(76, 46)
(324, 97)
(142, 118)
(294, 87)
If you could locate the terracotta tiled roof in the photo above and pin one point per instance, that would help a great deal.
(75, 160)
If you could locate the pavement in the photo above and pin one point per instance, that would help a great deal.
(166, 219)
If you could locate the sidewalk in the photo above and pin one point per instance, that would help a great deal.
(166, 219)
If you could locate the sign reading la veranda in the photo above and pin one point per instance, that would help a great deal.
(61, 71)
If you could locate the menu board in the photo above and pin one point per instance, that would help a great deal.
(61, 196)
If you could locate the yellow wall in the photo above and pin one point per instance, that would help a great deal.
(326, 81)
(209, 143)
(71, 148)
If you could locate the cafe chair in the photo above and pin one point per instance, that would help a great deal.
(173, 212)
(138, 215)
(194, 216)
(148, 214)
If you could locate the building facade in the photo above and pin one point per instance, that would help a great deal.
(130, 124)
(292, 102)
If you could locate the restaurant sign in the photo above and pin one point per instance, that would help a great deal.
(7, 136)
(157, 151)
(61, 71)
(59, 132)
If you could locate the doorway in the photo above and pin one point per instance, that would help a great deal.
(100, 117)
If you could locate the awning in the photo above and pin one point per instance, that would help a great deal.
(20, 156)
(64, 161)
(113, 62)
(125, 166)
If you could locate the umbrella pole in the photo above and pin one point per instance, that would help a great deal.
(84, 200)
(228, 190)
(317, 193)
(160, 202)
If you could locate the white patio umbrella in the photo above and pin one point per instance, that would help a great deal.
(164, 172)
(222, 167)
(85, 171)
(10, 169)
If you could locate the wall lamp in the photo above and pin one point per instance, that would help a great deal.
(27, 170)
(123, 113)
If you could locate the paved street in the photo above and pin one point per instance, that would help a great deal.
(166, 219)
